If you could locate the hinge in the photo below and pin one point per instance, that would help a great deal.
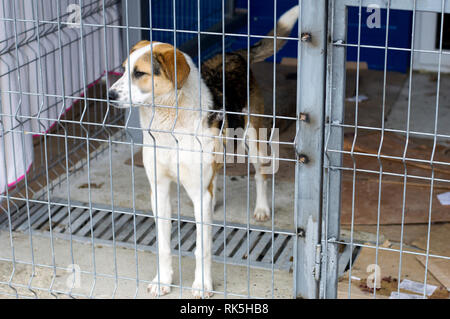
(318, 262)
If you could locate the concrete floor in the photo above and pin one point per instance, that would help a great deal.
(423, 106)
(414, 241)
(423, 101)
(259, 281)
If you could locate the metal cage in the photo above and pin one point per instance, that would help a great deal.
(75, 216)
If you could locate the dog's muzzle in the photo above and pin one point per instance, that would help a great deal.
(113, 95)
(114, 99)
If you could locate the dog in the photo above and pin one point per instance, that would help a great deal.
(181, 113)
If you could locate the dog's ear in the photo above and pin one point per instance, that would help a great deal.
(164, 53)
(137, 46)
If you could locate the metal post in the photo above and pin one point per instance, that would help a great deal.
(333, 140)
(309, 145)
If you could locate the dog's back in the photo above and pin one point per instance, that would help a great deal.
(237, 89)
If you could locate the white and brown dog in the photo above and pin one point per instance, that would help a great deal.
(180, 133)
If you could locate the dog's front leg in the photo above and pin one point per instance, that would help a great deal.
(203, 285)
(162, 212)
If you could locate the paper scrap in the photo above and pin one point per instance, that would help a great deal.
(401, 295)
(444, 198)
(361, 98)
(417, 287)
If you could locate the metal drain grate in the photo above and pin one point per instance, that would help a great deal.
(258, 241)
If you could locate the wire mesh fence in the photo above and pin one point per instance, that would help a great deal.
(73, 173)
(391, 166)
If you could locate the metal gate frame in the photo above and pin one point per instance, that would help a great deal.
(325, 252)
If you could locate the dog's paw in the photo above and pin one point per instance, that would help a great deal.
(197, 290)
(261, 214)
(158, 290)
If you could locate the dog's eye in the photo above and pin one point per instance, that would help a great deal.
(138, 74)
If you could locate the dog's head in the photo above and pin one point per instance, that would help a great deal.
(148, 75)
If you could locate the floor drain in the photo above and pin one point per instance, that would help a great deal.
(239, 241)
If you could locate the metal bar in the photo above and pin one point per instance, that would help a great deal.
(309, 139)
(436, 119)
(381, 142)
(408, 121)
(334, 136)
(131, 17)
(353, 146)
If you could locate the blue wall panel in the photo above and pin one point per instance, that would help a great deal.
(262, 21)
(400, 25)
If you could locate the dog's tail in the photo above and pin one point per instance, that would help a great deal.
(264, 48)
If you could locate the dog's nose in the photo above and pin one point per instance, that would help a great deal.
(113, 95)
